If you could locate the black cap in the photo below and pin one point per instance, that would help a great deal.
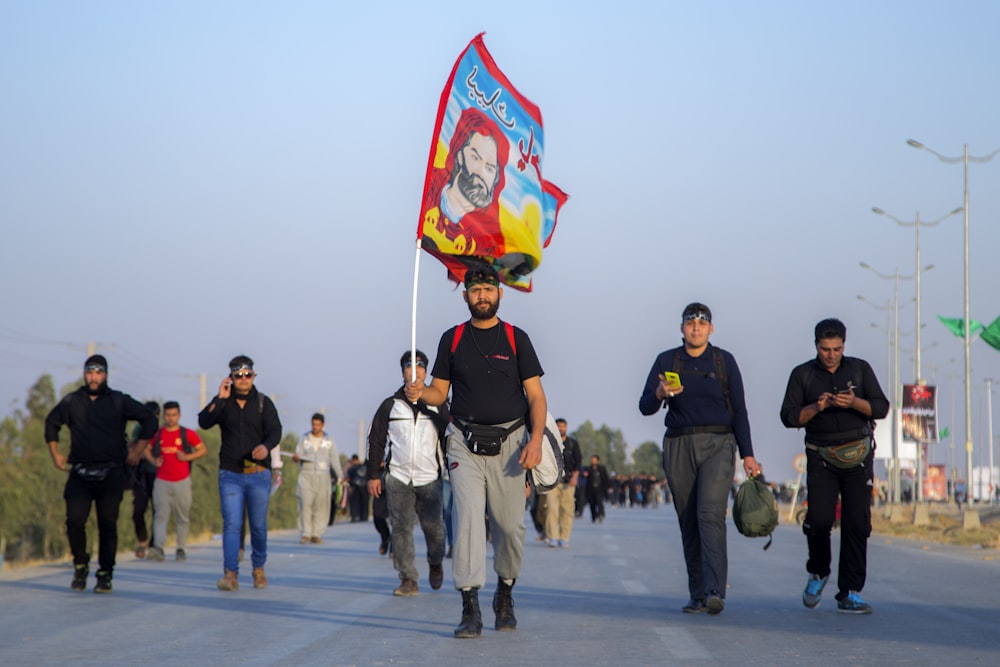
(481, 273)
(697, 311)
(96, 362)
(240, 363)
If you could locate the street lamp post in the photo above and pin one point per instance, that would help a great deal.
(917, 224)
(888, 332)
(971, 517)
(989, 433)
(895, 277)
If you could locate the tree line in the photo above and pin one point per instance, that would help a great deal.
(32, 510)
(33, 513)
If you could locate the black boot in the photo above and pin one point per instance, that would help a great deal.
(80, 573)
(472, 619)
(503, 605)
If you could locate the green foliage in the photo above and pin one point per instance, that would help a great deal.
(32, 510)
(648, 458)
(607, 443)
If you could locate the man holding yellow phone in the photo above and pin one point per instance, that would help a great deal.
(702, 389)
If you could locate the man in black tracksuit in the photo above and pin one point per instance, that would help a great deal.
(96, 416)
(836, 399)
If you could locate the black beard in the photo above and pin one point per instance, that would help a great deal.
(100, 388)
(489, 314)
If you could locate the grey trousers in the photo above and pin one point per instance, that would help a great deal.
(699, 469)
(481, 484)
(406, 503)
(171, 497)
(315, 488)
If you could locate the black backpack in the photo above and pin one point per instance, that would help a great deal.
(755, 511)
(185, 445)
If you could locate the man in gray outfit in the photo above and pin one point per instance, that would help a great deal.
(495, 381)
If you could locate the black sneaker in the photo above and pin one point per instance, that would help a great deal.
(80, 573)
(694, 607)
(103, 582)
(181, 556)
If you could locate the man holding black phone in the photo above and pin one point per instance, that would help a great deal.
(250, 430)
(836, 399)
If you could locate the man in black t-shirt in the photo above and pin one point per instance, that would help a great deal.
(495, 382)
(836, 399)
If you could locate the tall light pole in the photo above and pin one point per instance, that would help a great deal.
(895, 277)
(989, 433)
(970, 521)
(917, 223)
(888, 333)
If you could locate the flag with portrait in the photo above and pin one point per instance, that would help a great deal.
(484, 195)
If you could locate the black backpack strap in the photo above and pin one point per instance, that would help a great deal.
(678, 362)
(156, 444)
(185, 445)
(719, 366)
(719, 361)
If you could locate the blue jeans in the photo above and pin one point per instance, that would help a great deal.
(235, 490)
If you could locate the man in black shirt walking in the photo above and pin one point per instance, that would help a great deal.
(96, 416)
(495, 381)
(250, 429)
(836, 399)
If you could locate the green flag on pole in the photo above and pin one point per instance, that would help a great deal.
(991, 334)
(956, 325)
(944, 433)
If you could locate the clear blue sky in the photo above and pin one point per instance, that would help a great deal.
(183, 182)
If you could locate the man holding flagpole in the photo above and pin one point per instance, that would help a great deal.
(494, 377)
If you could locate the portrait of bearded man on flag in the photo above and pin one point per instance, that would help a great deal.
(484, 198)
(462, 201)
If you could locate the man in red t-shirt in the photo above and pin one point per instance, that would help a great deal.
(172, 450)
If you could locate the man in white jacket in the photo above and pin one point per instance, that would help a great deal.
(316, 455)
(407, 437)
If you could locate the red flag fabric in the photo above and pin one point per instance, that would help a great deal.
(484, 196)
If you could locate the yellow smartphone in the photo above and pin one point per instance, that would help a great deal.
(671, 378)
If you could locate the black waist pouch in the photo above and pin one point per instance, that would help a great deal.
(92, 472)
(486, 440)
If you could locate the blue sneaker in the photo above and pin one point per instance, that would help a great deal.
(814, 590)
(853, 604)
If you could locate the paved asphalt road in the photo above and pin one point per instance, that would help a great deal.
(612, 598)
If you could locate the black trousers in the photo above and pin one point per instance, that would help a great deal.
(106, 496)
(142, 493)
(380, 514)
(854, 488)
(358, 503)
(595, 497)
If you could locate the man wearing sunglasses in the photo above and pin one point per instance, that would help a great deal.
(96, 417)
(408, 437)
(250, 429)
(495, 380)
(701, 387)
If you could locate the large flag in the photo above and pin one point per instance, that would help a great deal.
(991, 334)
(956, 325)
(484, 195)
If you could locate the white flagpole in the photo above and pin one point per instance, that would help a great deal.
(413, 314)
